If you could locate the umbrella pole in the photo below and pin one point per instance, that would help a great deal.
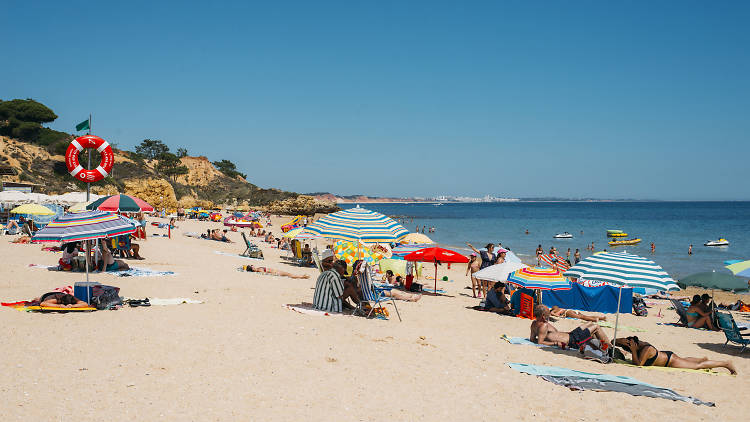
(436, 276)
(617, 318)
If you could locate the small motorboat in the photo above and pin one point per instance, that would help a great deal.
(720, 242)
(624, 242)
(565, 235)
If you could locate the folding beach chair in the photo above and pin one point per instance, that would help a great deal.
(727, 323)
(680, 311)
(251, 250)
(372, 294)
(121, 246)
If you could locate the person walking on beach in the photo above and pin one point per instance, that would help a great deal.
(690, 250)
(577, 256)
(472, 267)
(488, 258)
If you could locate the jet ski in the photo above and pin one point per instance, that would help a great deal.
(720, 242)
(565, 235)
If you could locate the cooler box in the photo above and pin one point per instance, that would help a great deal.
(82, 290)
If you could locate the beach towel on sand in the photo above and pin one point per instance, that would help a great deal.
(589, 352)
(143, 272)
(579, 380)
(306, 308)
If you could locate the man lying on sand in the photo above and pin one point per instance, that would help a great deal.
(569, 313)
(543, 332)
(265, 270)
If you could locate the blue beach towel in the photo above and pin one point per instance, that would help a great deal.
(579, 380)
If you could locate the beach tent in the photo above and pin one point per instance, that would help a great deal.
(591, 299)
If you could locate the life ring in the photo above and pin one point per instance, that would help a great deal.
(75, 168)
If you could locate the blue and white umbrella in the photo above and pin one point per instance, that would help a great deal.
(358, 224)
(624, 269)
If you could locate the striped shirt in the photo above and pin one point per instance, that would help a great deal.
(328, 291)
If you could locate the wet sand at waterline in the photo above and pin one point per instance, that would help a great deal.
(241, 355)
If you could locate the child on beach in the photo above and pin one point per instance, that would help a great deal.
(473, 267)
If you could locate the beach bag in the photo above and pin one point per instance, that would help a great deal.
(639, 307)
(105, 297)
(415, 287)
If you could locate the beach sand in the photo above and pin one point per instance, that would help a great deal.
(241, 355)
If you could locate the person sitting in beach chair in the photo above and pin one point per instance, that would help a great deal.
(496, 301)
(569, 313)
(543, 332)
(697, 317)
(330, 294)
(12, 228)
(645, 354)
(110, 263)
(306, 255)
(59, 300)
(265, 270)
(69, 253)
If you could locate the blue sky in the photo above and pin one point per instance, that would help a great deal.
(577, 99)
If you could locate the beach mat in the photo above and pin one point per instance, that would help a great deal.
(589, 352)
(236, 255)
(670, 369)
(579, 380)
(27, 307)
(307, 309)
(142, 272)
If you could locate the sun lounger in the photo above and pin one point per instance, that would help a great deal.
(251, 250)
(727, 323)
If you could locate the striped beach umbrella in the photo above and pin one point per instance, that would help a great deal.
(554, 261)
(120, 203)
(539, 278)
(624, 269)
(740, 268)
(358, 224)
(87, 225)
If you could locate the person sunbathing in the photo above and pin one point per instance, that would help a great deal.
(12, 227)
(645, 354)
(59, 300)
(569, 313)
(110, 263)
(219, 236)
(543, 332)
(265, 270)
(22, 239)
(697, 317)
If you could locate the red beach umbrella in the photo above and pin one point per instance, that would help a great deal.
(436, 255)
(120, 203)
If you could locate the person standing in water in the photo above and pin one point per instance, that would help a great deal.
(653, 247)
(690, 250)
(577, 256)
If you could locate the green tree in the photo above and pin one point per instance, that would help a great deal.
(151, 148)
(23, 119)
(182, 152)
(228, 168)
(170, 165)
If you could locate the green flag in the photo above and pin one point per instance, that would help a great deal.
(84, 125)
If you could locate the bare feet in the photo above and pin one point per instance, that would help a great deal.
(731, 368)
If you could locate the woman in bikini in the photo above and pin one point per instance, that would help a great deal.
(271, 271)
(644, 354)
(59, 300)
(697, 317)
(569, 313)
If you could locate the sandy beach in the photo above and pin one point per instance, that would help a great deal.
(242, 355)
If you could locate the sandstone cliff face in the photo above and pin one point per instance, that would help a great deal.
(200, 171)
(157, 192)
(303, 204)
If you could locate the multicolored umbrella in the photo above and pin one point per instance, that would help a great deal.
(120, 203)
(32, 209)
(436, 255)
(741, 268)
(539, 278)
(554, 261)
(350, 252)
(358, 224)
(87, 225)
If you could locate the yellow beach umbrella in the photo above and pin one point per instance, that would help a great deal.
(416, 238)
(32, 209)
(350, 252)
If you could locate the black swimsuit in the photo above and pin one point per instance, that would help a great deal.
(650, 361)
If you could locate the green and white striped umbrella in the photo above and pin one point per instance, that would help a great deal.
(624, 269)
(357, 224)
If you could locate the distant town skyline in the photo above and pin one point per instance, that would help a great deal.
(644, 100)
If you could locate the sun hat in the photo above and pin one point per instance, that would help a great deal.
(326, 254)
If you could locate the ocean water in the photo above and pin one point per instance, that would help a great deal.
(672, 226)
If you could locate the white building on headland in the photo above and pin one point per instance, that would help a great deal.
(486, 198)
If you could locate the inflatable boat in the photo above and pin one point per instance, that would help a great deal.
(624, 242)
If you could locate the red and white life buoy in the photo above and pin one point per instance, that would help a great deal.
(75, 168)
